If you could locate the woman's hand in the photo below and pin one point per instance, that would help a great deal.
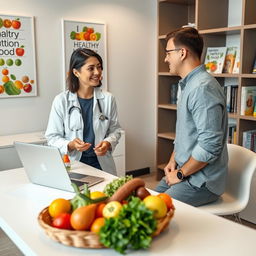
(78, 145)
(102, 148)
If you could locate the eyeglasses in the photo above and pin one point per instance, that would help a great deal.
(172, 50)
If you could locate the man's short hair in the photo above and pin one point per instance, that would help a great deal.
(187, 37)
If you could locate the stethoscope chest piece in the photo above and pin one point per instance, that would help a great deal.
(103, 118)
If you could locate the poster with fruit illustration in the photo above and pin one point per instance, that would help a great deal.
(214, 59)
(79, 34)
(17, 57)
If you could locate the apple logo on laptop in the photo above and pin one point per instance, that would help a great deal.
(43, 167)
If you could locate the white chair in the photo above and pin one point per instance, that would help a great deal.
(241, 166)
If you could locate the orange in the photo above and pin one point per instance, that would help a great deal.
(7, 23)
(99, 211)
(5, 71)
(167, 199)
(1, 89)
(97, 225)
(5, 79)
(78, 36)
(18, 84)
(93, 37)
(97, 194)
(59, 206)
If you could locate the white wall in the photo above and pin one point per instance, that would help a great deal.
(131, 31)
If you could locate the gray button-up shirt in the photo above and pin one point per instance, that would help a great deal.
(201, 129)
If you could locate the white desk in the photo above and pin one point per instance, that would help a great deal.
(192, 232)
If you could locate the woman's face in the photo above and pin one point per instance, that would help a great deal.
(90, 73)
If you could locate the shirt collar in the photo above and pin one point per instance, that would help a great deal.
(189, 76)
(98, 94)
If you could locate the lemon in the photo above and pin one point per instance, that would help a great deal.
(157, 205)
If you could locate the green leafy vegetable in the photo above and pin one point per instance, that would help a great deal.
(83, 198)
(113, 186)
(132, 229)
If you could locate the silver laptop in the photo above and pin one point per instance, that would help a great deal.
(44, 166)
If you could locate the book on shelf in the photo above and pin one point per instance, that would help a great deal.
(231, 133)
(249, 139)
(248, 99)
(214, 59)
(174, 92)
(254, 67)
(230, 59)
(231, 98)
(237, 62)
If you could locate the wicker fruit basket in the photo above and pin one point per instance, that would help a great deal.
(85, 239)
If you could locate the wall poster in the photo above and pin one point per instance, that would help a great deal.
(17, 57)
(79, 34)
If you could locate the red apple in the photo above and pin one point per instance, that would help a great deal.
(16, 24)
(20, 51)
(27, 88)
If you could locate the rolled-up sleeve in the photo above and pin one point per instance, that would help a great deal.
(209, 118)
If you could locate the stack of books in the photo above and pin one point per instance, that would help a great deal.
(249, 140)
(231, 96)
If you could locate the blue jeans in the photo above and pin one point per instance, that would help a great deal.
(187, 193)
(91, 160)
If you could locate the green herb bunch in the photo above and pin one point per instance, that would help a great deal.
(132, 229)
(113, 186)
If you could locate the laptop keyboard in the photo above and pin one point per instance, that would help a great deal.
(79, 183)
(74, 175)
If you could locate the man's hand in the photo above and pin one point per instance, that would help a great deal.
(171, 178)
(102, 148)
(78, 145)
(169, 171)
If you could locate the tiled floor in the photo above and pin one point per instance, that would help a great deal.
(7, 248)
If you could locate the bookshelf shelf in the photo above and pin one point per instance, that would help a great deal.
(222, 31)
(167, 135)
(167, 106)
(251, 118)
(248, 75)
(172, 14)
(233, 115)
(164, 74)
(226, 75)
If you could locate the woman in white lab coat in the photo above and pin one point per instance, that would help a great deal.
(83, 122)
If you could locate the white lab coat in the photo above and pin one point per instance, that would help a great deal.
(64, 127)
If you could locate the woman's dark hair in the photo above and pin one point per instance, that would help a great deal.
(77, 60)
(188, 37)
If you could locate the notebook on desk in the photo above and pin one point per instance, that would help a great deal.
(44, 166)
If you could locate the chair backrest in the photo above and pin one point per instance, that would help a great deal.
(241, 167)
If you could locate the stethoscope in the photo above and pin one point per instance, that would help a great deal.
(102, 117)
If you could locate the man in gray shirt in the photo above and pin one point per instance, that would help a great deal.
(197, 169)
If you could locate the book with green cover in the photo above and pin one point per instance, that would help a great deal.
(214, 59)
